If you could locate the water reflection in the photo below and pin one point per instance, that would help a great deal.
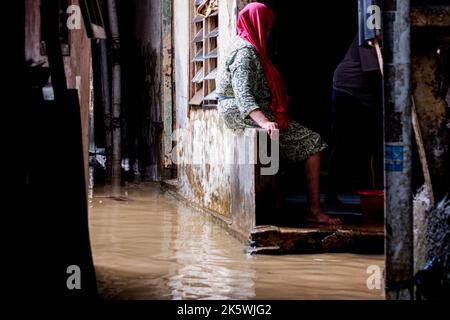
(212, 264)
(152, 247)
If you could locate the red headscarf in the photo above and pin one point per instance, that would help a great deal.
(254, 24)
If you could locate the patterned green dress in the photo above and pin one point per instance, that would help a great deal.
(243, 88)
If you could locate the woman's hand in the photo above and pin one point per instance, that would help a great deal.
(259, 117)
(270, 127)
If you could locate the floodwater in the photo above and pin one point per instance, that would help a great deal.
(150, 246)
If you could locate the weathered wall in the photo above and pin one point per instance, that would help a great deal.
(225, 189)
(430, 33)
(79, 76)
(431, 221)
(77, 65)
(207, 183)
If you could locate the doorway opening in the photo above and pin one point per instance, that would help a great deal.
(307, 52)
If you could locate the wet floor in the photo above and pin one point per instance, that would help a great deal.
(150, 246)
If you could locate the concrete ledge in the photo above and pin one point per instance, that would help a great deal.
(350, 239)
(172, 185)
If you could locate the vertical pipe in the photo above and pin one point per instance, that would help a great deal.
(106, 100)
(398, 134)
(116, 99)
(92, 146)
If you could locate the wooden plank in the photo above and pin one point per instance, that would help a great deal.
(198, 19)
(198, 37)
(376, 44)
(199, 57)
(198, 78)
(211, 75)
(197, 99)
(422, 153)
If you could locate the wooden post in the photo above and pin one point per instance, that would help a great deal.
(398, 162)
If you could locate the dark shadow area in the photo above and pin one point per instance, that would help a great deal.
(55, 213)
(308, 41)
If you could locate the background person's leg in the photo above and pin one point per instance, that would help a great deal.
(342, 133)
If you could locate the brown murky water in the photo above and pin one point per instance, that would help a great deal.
(152, 247)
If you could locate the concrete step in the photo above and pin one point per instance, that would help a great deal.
(171, 185)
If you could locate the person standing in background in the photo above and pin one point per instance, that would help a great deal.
(357, 124)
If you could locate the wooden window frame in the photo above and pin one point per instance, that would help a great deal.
(203, 58)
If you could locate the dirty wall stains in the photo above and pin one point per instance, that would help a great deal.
(212, 174)
(203, 182)
(432, 113)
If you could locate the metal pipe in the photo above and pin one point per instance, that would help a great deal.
(116, 99)
(106, 100)
(398, 164)
(92, 146)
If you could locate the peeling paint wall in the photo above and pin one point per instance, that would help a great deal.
(227, 190)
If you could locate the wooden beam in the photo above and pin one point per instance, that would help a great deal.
(422, 153)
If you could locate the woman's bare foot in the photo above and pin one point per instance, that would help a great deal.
(320, 217)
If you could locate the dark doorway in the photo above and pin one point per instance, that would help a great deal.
(308, 41)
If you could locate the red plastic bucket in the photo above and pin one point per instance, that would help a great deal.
(372, 205)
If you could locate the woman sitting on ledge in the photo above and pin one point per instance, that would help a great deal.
(252, 94)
